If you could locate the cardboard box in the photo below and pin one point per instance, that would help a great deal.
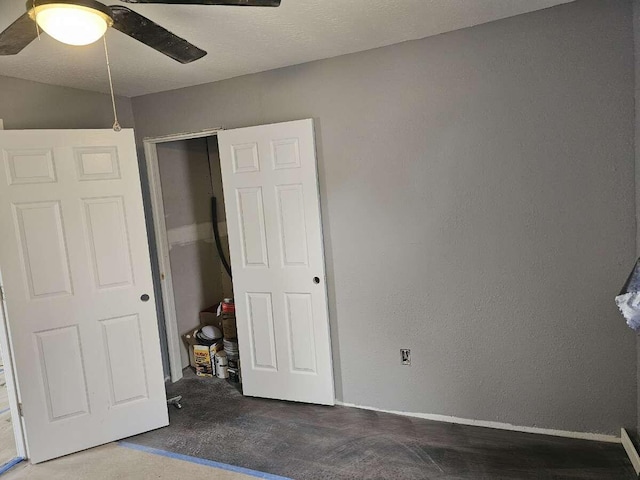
(209, 316)
(229, 328)
(191, 341)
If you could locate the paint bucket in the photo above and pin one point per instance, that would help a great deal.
(222, 371)
(231, 347)
(222, 365)
(234, 375)
(228, 306)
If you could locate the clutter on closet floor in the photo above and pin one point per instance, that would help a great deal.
(213, 346)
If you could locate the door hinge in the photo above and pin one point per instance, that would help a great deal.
(1, 293)
(20, 409)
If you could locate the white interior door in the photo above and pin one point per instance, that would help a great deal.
(270, 185)
(75, 265)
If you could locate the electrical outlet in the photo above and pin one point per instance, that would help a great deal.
(405, 356)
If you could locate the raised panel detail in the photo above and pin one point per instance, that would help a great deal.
(286, 153)
(30, 166)
(108, 241)
(302, 345)
(293, 228)
(61, 361)
(97, 163)
(43, 249)
(252, 227)
(245, 158)
(263, 343)
(125, 358)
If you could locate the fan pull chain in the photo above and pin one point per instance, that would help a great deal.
(116, 124)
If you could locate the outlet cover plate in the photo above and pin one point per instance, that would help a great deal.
(405, 356)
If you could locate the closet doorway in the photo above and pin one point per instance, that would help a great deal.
(184, 179)
(270, 226)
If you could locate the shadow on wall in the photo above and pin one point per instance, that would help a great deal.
(328, 258)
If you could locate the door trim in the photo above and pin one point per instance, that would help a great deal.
(10, 378)
(162, 242)
(9, 371)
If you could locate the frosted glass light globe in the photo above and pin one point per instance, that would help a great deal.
(71, 24)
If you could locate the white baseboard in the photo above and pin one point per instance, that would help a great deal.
(598, 437)
(630, 448)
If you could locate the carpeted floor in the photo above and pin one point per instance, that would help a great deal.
(338, 443)
(114, 462)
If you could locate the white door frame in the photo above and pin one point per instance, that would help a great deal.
(162, 242)
(9, 371)
(10, 378)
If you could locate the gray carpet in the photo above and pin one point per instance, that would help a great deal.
(315, 442)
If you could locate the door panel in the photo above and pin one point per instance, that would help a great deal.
(293, 231)
(108, 239)
(28, 166)
(43, 250)
(122, 340)
(299, 311)
(64, 377)
(75, 262)
(97, 163)
(252, 227)
(275, 237)
(262, 333)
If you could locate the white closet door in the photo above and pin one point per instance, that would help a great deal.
(76, 272)
(277, 258)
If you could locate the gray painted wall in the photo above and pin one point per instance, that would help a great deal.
(195, 266)
(25, 104)
(478, 202)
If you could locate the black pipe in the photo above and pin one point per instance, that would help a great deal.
(216, 235)
(214, 217)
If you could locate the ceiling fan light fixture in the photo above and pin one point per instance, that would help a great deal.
(72, 22)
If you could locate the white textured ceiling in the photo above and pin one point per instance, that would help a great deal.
(242, 40)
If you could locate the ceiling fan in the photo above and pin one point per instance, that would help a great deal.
(81, 22)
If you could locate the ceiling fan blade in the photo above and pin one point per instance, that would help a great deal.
(18, 35)
(236, 3)
(150, 33)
